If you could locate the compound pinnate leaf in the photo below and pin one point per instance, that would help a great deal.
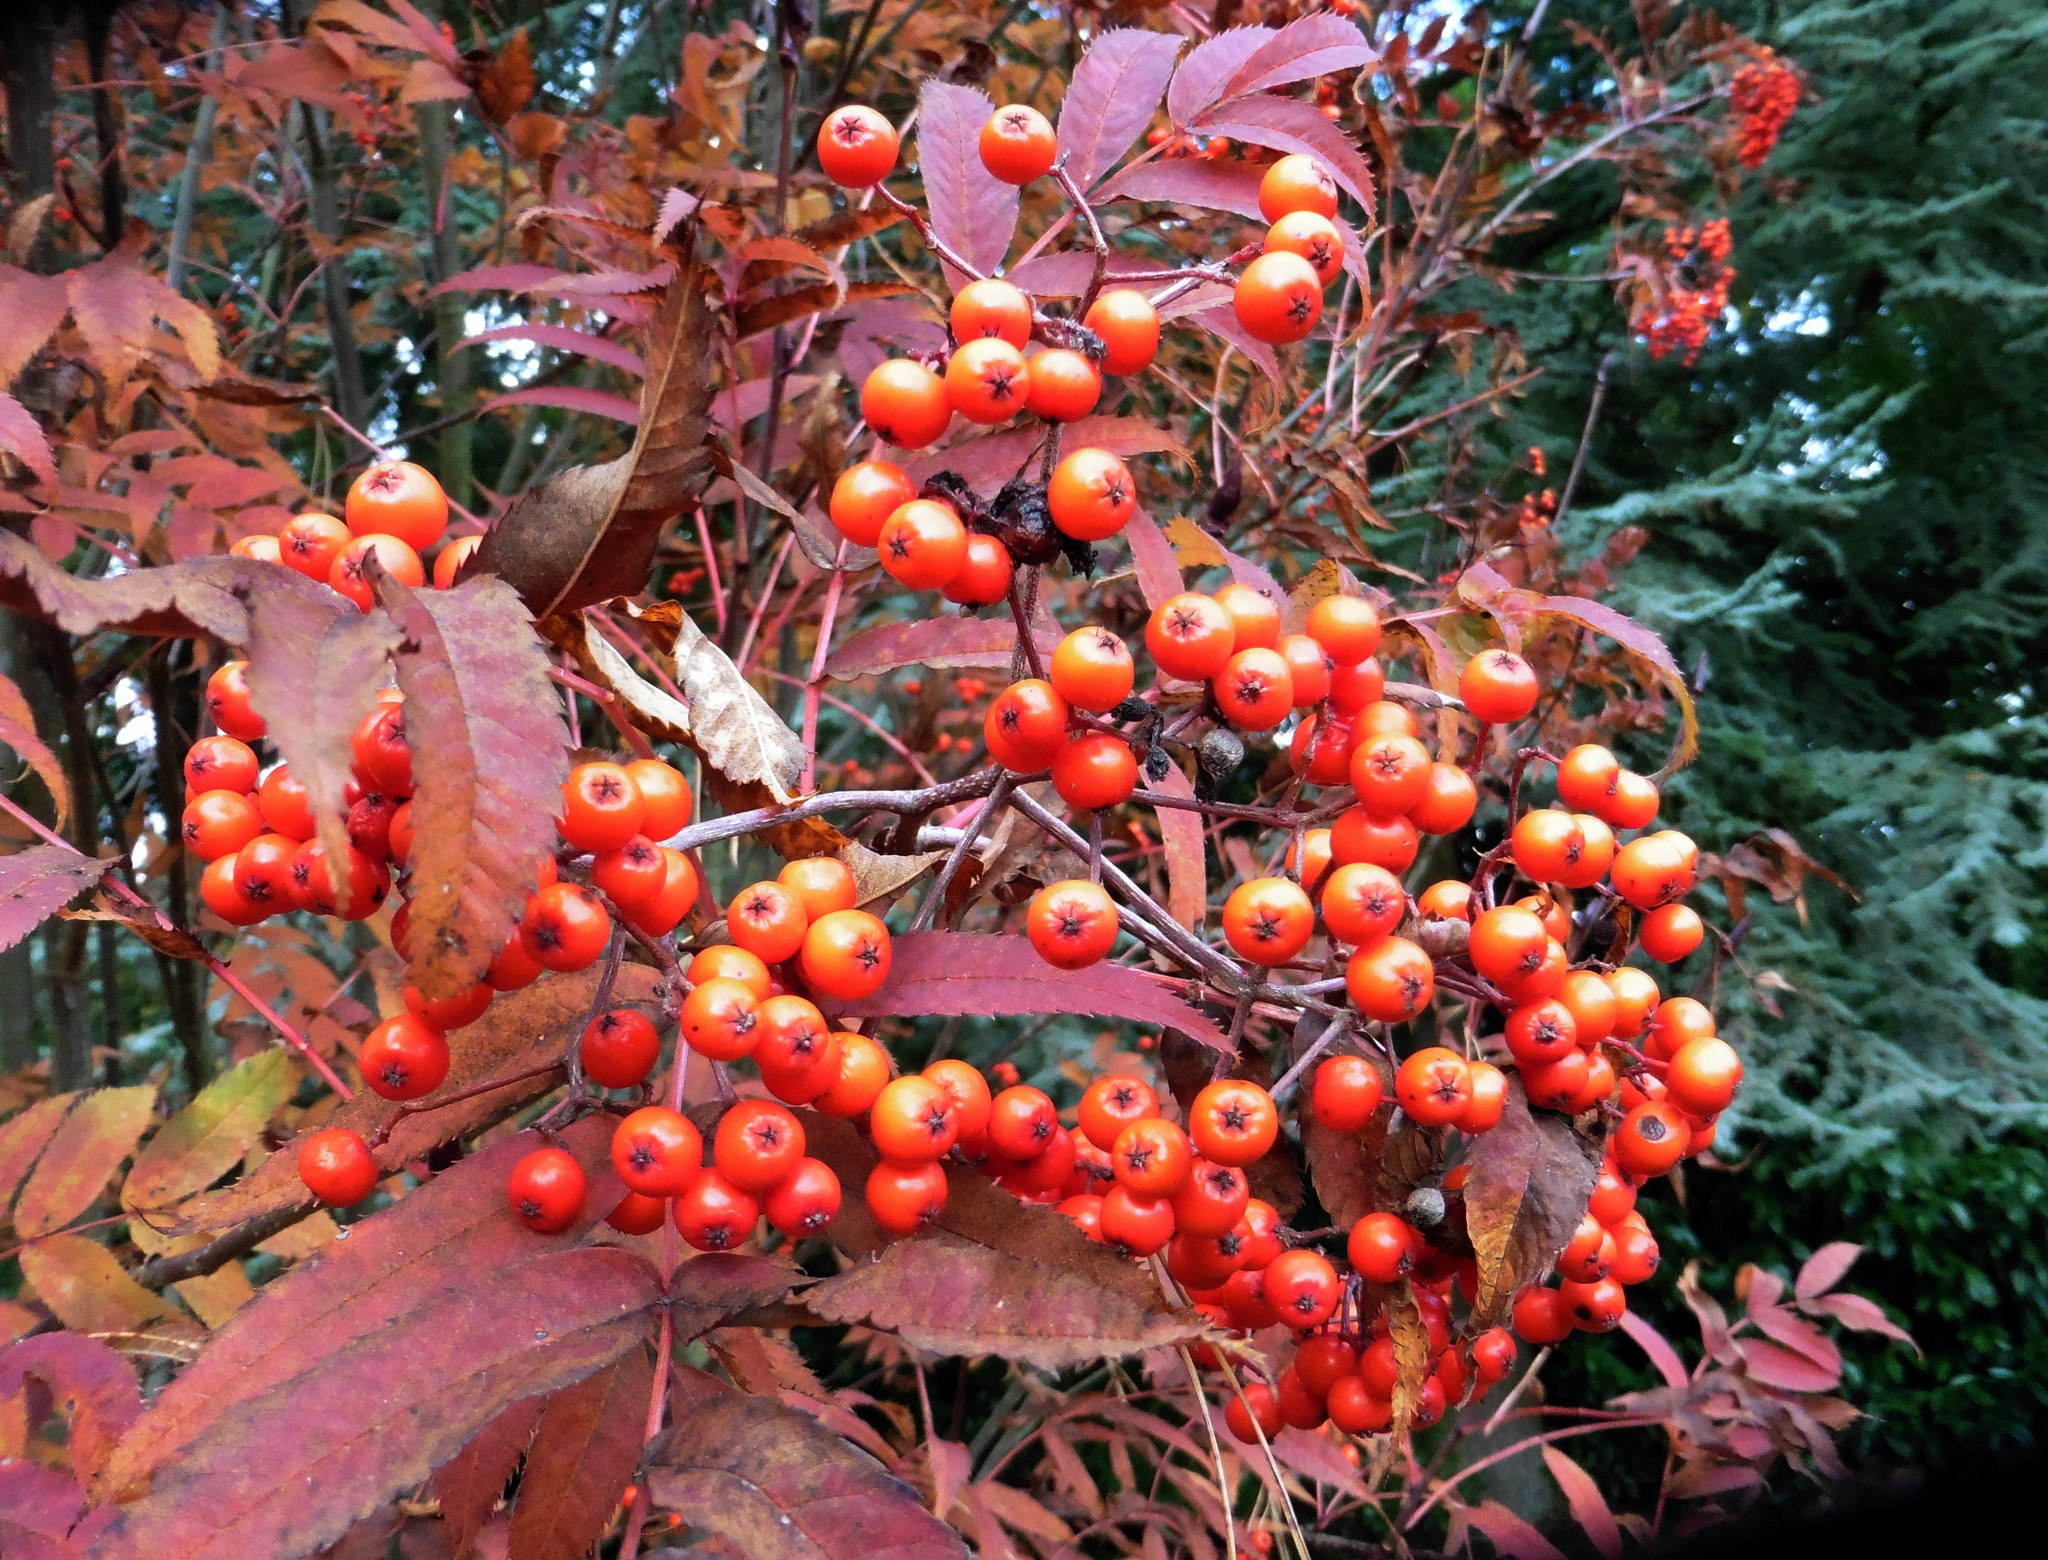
(490, 752)
(392, 1403)
(995, 1276)
(35, 306)
(586, 1450)
(210, 1136)
(1189, 181)
(774, 1484)
(520, 1031)
(439, 1251)
(1111, 98)
(76, 1163)
(1186, 848)
(985, 975)
(1529, 1182)
(1658, 1348)
(1511, 1536)
(971, 209)
(942, 642)
(38, 882)
(95, 1386)
(590, 533)
(314, 671)
(1205, 73)
(468, 1486)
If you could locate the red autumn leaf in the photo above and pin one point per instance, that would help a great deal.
(1111, 98)
(18, 731)
(996, 1276)
(314, 671)
(469, 1485)
(499, 278)
(983, 975)
(391, 1403)
(1186, 849)
(23, 1137)
(34, 306)
(585, 1451)
(1319, 44)
(573, 398)
(971, 209)
(1530, 1179)
(1777, 1366)
(38, 1509)
(1483, 587)
(944, 642)
(776, 1485)
(1203, 75)
(521, 1030)
(1798, 1335)
(994, 458)
(38, 882)
(1220, 320)
(1513, 1537)
(1290, 125)
(1863, 1315)
(95, 1386)
(490, 748)
(1589, 1506)
(562, 338)
(1192, 181)
(1152, 560)
(1658, 1348)
(83, 1155)
(22, 437)
(1826, 1268)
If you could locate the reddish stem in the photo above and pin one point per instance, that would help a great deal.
(610, 703)
(813, 689)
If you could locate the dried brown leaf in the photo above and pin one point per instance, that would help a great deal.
(590, 533)
(1530, 1179)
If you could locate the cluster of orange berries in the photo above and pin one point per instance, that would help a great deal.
(611, 813)
(1764, 94)
(1692, 308)
(926, 545)
(986, 378)
(394, 511)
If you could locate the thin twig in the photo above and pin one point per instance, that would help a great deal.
(1571, 483)
(612, 705)
(927, 911)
